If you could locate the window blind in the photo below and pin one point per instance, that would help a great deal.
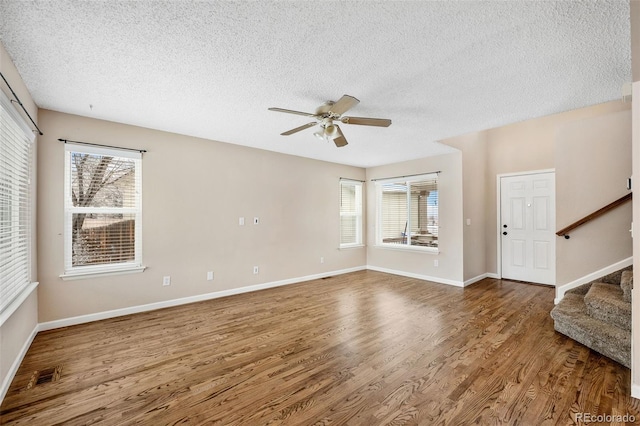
(408, 211)
(103, 208)
(16, 141)
(350, 213)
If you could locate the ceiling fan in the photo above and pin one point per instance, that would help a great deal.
(329, 112)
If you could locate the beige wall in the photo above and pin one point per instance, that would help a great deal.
(473, 148)
(593, 163)
(450, 238)
(537, 144)
(16, 331)
(527, 146)
(194, 191)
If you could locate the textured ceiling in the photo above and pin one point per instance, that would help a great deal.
(212, 68)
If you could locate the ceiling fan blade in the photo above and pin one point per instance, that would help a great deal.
(338, 138)
(297, 129)
(344, 104)
(289, 111)
(365, 121)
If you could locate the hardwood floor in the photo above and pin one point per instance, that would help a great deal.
(365, 348)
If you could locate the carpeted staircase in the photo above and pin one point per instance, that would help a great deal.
(598, 315)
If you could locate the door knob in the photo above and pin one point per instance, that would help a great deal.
(504, 226)
(504, 233)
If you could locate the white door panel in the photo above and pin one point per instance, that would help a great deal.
(527, 214)
(541, 254)
(518, 253)
(541, 213)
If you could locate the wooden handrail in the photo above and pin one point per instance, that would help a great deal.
(564, 232)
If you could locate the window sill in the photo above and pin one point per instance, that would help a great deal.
(79, 275)
(351, 246)
(13, 306)
(398, 247)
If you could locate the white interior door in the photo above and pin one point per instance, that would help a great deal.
(527, 227)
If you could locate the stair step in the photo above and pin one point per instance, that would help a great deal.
(626, 283)
(581, 290)
(571, 319)
(606, 302)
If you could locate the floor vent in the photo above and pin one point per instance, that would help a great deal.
(326, 278)
(47, 375)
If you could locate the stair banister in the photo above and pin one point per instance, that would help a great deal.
(564, 232)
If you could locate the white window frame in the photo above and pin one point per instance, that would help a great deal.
(405, 247)
(17, 284)
(359, 188)
(76, 272)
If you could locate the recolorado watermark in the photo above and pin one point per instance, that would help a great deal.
(605, 418)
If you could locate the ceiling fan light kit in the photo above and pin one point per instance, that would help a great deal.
(329, 112)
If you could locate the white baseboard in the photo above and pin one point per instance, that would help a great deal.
(6, 381)
(635, 391)
(417, 276)
(561, 290)
(479, 278)
(66, 322)
(493, 275)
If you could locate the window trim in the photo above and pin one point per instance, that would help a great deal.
(79, 272)
(358, 215)
(378, 230)
(126, 268)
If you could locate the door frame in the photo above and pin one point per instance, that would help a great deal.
(499, 211)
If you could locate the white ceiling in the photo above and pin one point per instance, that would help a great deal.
(212, 68)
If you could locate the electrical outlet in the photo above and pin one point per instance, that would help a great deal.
(255, 270)
(166, 280)
(256, 220)
(435, 262)
(210, 276)
(322, 260)
(241, 221)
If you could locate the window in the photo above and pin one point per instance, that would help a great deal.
(350, 213)
(103, 210)
(16, 144)
(408, 212)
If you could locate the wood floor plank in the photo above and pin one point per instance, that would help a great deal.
(365, 348)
